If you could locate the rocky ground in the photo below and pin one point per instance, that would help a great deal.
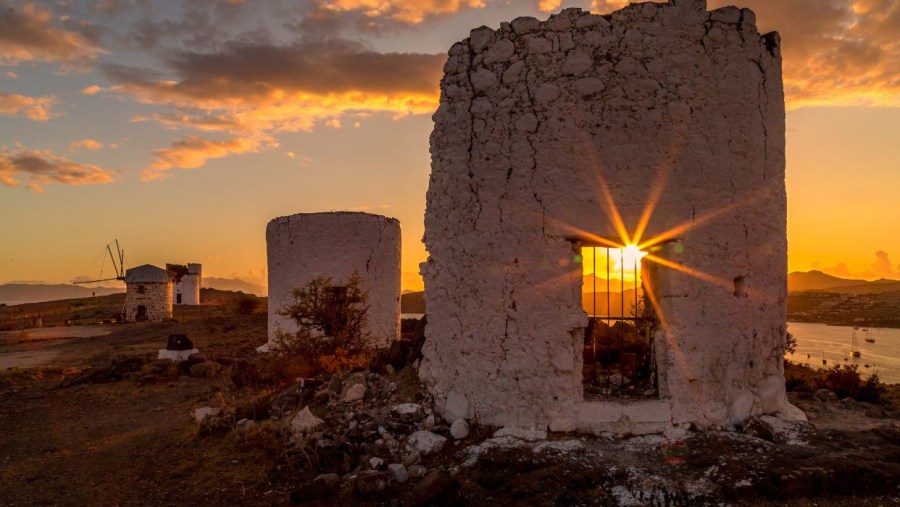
(111, 425)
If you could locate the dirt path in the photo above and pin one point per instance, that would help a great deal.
(127, 442)
(41, 347)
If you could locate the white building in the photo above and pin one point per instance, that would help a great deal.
(188, 280)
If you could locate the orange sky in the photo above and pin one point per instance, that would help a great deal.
(182, 127)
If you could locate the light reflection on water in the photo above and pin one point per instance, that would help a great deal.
(883, 356)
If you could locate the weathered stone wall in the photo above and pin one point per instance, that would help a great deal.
(541, 125)
(307, 245)
(157, 297)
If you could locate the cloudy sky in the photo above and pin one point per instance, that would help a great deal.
(182, 127)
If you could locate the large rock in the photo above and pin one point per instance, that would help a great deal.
(408, 412)
(459, 429)
(354, 388)
(399, 472)
(304, 422)
(425, 442)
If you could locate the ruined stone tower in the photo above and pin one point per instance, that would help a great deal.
(663, 121)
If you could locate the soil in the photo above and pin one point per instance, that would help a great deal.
(100, 422)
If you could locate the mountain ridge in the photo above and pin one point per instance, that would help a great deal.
(26, 293)
(817, 281)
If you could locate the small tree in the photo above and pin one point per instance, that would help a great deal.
(790, 343)
(331, 318)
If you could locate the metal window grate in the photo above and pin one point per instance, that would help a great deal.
(618, 342)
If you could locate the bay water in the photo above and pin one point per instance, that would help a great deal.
(815, 341)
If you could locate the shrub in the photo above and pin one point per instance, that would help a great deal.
(845, 381)
(247, 305)
(331, 322)
(790, 344)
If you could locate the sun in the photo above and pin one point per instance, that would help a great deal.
(631, 257)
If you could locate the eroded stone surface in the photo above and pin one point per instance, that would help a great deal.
(528, 149)
(307, 245)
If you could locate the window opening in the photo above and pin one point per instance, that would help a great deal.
(618, 341)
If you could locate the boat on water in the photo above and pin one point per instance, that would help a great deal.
(854, 349)
(868, 337)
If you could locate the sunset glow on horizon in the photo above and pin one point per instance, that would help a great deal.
(182, 127)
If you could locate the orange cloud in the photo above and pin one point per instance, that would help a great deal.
(836, 52)
(406, 11)
(254, 91)
(85, 144)
(33, 108)
(193, 152)
(27, 34)
(41, 168)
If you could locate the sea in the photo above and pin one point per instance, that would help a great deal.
(815, 341)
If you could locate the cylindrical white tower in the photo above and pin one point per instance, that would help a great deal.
(308, 245)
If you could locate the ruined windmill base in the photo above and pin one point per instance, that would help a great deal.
(560, 133)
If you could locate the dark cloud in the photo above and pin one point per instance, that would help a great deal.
(249, 71)
(249, 88)
(40, 168)
(28, 33)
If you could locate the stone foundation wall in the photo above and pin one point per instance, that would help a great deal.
(304, 246)
(547, 133)
(156, 297)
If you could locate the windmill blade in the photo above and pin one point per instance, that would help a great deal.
(121, 259)
(113, 260)
(95, 281)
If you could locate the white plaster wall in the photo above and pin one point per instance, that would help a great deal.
(157, 297)
(189, 285)
(304, 246)
(542, 124)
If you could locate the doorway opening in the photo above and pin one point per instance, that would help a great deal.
(141, 314)
(618, 353)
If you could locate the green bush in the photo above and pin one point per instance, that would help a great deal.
(329, 318)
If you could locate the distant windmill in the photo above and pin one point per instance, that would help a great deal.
(119, 266)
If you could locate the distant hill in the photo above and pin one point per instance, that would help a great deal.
(235, 285)
(615, 303)
(22, 293)
(817, 281)
(412, 302)
(875, 287)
